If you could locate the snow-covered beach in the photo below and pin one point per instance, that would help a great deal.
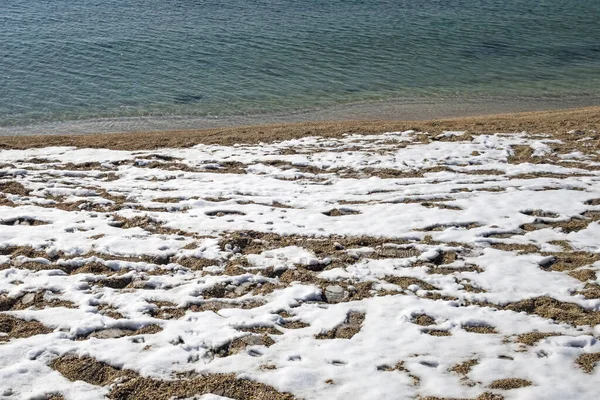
(401, 265)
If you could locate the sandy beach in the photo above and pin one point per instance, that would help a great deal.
(439, 259)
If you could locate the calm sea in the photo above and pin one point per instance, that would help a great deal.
(80, 59)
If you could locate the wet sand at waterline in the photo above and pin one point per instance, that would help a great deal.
(555, 122)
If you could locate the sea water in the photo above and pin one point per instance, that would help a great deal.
(64, 60)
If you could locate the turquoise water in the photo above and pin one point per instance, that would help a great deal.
(79, 59)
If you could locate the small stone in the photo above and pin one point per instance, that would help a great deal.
(109, 333)
(539, 225)
(243, 288)
(338, 246)
(311, 261)
(28, 298)
(547, 262)
(335, 294)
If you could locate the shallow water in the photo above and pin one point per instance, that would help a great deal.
(72, 60)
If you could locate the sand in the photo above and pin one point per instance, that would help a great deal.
(412, 265)
(556, 122)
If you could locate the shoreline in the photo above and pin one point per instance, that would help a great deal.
(548, 121)
(394, 109)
